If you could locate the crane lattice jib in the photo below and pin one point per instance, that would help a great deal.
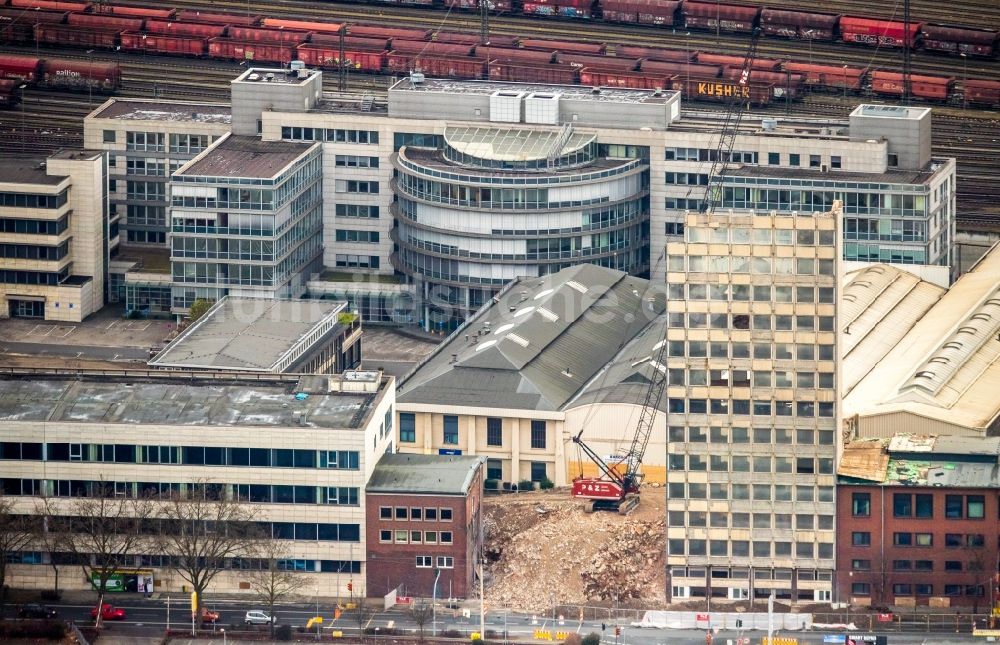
(730, 130)
(650, 405)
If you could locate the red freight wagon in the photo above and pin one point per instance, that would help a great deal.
(80, 74)
(959, 40)
(657, 12)
(724, 17)
(425, 48)
(522, 55)
(258, 35)
(828, 75)
(137, 12)
(526, 73)
(877, 32)
(9, 95)
(49, 5)
(238, 50)
(927, 87)
(682, 69)
(301, 25)
(191, 15)
(495, 6)
(436, 66)
(654, 53)
(15, 31)
(597, 49)
(610, 78)
(798, 24)
(782, 81)
(333, 40)
(23, 68)
(982, 92)
(598, 62)
(104, 21)
(33, 17)
(191, 29)
(365, 60)
(765, 64)
(496, 40)
(164, 44)
(70, 36)
(721, 91)
(374, 31)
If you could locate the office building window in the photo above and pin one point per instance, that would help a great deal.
(538, 434)
(861, 504)
(407, 427)
(539, 471)
(450, 429)
(494, 431)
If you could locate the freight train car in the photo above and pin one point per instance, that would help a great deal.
(641, 12)
(425, 48)
(681, 69)
(371, 60)
(176, 28)
(727, 60)
(655, 53)
(528, 56)
(80, 37)
(785, 84)
(50, 5)
(10, 94)
(981, 92)
(829, 76)
(135, 12)
(799, 24)
(205, 17)
(935, 88)
(616, 78)
(576, 47)
(261, 35)
(721, 91)
(437, 66)
(721, 17)
(377, 31)
(583, 9)
(597, 62)
(527, 72)
(69, 74)
(21, 68)
(959, 40)
(105, 21)
(238, 50)
(496, 40)
(301, 25)
(883, 33)
(169, 44)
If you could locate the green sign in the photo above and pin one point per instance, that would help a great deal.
(115, 582)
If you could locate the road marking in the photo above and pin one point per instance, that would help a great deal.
(111, 324)
(66, 330)
(115, 357)
(37, 328)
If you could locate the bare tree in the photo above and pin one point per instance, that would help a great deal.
(362, 614)
(271, 583)
(104, 531)
(201, 529)
(16, 532)
(421, 613)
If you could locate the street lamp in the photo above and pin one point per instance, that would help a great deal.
(965, 79)
(22, 87)
(224, 639)
(90, 73)
(434, 595)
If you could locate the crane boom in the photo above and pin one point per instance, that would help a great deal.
(618, 486)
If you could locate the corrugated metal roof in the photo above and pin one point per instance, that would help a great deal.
(537, 343)
(923, 460)
(946, 365)
(424, 474)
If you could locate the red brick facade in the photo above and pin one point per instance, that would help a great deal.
(397, 560)
(908, 544)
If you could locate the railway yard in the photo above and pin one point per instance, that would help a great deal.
(48, 119)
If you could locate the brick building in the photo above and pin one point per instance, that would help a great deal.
(423, 514)
(917, 521)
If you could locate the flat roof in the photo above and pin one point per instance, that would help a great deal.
(921, 176)
(274, 76)
(240, 156)
(890, 111)
(16, 169)
(249, 334)
(154, 110)
(182, 399)
(565, 92)
(403, 474)
(922, 460)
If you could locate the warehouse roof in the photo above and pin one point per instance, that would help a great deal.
(424, 474)
(945, 364)
(186, 399)
(251, 334)
(239, 156)
(537, 343)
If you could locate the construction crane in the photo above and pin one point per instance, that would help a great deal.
(617, 486)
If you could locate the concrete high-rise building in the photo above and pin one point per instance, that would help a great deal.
(54, 235)
(752, 407)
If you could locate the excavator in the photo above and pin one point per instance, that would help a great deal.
(617, 486)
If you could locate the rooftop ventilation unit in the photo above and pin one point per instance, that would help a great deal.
(416, 78)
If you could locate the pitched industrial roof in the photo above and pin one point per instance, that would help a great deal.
(251, 334)
(943, 362)
(537, 343)
(424, 474)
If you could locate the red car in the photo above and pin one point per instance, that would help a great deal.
(108, 612)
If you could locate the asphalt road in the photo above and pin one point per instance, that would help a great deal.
(150, 617)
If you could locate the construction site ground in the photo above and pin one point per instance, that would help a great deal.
(542, 549)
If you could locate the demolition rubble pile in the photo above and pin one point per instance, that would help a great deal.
(542, 547)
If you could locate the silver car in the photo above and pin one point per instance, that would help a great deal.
(255, 617)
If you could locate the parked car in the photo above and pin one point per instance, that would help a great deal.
(109, 612)
(36, 611)
(255, 617)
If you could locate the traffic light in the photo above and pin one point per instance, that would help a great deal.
(603, 627)
(739, 623)
(350, 586)
(618, 631)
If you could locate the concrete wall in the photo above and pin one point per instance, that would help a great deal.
(250, 99)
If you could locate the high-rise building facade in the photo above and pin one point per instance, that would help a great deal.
(752, 411)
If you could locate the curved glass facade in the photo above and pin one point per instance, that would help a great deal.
(465, 230)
